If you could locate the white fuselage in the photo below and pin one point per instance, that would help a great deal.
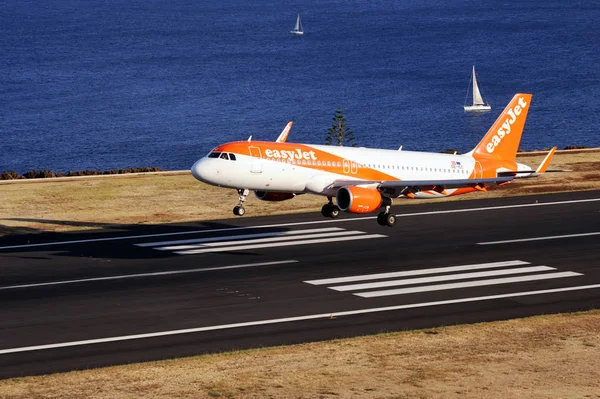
(272, 172)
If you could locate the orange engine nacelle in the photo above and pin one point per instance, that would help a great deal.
(273, 195)
(358, 199)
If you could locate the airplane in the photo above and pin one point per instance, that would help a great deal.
(364, 180)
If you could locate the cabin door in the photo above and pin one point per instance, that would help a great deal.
(255, 160)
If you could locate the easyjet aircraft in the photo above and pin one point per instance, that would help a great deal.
(364, 180)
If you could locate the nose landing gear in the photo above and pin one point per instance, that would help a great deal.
(239, 210)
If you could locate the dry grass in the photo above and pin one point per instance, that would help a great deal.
(554, 356)
(88, 203)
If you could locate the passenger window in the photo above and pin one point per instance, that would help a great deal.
(224, 156)
(232, 157)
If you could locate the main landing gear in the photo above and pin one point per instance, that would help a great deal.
(386, 218)
(329, 210)
(239, 210)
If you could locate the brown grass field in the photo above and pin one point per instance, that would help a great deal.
(552, 356)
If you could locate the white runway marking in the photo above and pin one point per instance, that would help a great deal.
(475, 277)
(322, 221)
(436, 270)
(141, 275)
(239, 237)
(326, 315)
(478, 283)
(279, 244)
(540, 238)
(421, 280)
(260, 240)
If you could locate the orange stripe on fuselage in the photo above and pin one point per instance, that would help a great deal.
(305, 156)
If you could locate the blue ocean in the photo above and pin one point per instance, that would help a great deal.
(129, 83)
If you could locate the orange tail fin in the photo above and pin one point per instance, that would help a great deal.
(503, 138)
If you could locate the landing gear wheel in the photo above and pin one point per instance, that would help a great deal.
(330, 211)
(239, 211)
(390, 220)
(335, 212)
(386, 219)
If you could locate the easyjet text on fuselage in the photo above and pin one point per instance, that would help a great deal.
(296, 154)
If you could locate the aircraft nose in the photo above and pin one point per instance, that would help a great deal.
(199, 170)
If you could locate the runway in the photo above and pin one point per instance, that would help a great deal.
(90, 299)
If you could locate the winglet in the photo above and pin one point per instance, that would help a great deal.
(544, 165)
(284, 133)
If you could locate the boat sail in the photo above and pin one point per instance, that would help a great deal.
(478, 102)
(298, 28)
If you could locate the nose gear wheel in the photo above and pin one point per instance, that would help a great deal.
(239, 210)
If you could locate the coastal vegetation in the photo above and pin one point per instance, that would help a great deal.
(45, 173)
(339, 133)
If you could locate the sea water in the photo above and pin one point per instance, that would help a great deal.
(131, 83)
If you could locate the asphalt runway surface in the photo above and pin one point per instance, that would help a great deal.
(138, 293)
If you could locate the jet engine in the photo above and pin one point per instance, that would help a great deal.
(273, 195)
(359, 199)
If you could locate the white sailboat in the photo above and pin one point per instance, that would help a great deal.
(298, 28)
(478, 102)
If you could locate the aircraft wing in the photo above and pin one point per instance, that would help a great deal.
(408, 187)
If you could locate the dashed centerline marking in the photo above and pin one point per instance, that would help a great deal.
(142, 275)
(559, 237)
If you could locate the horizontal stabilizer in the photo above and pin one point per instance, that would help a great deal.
(544, 165)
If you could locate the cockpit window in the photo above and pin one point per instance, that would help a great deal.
(223, 155)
